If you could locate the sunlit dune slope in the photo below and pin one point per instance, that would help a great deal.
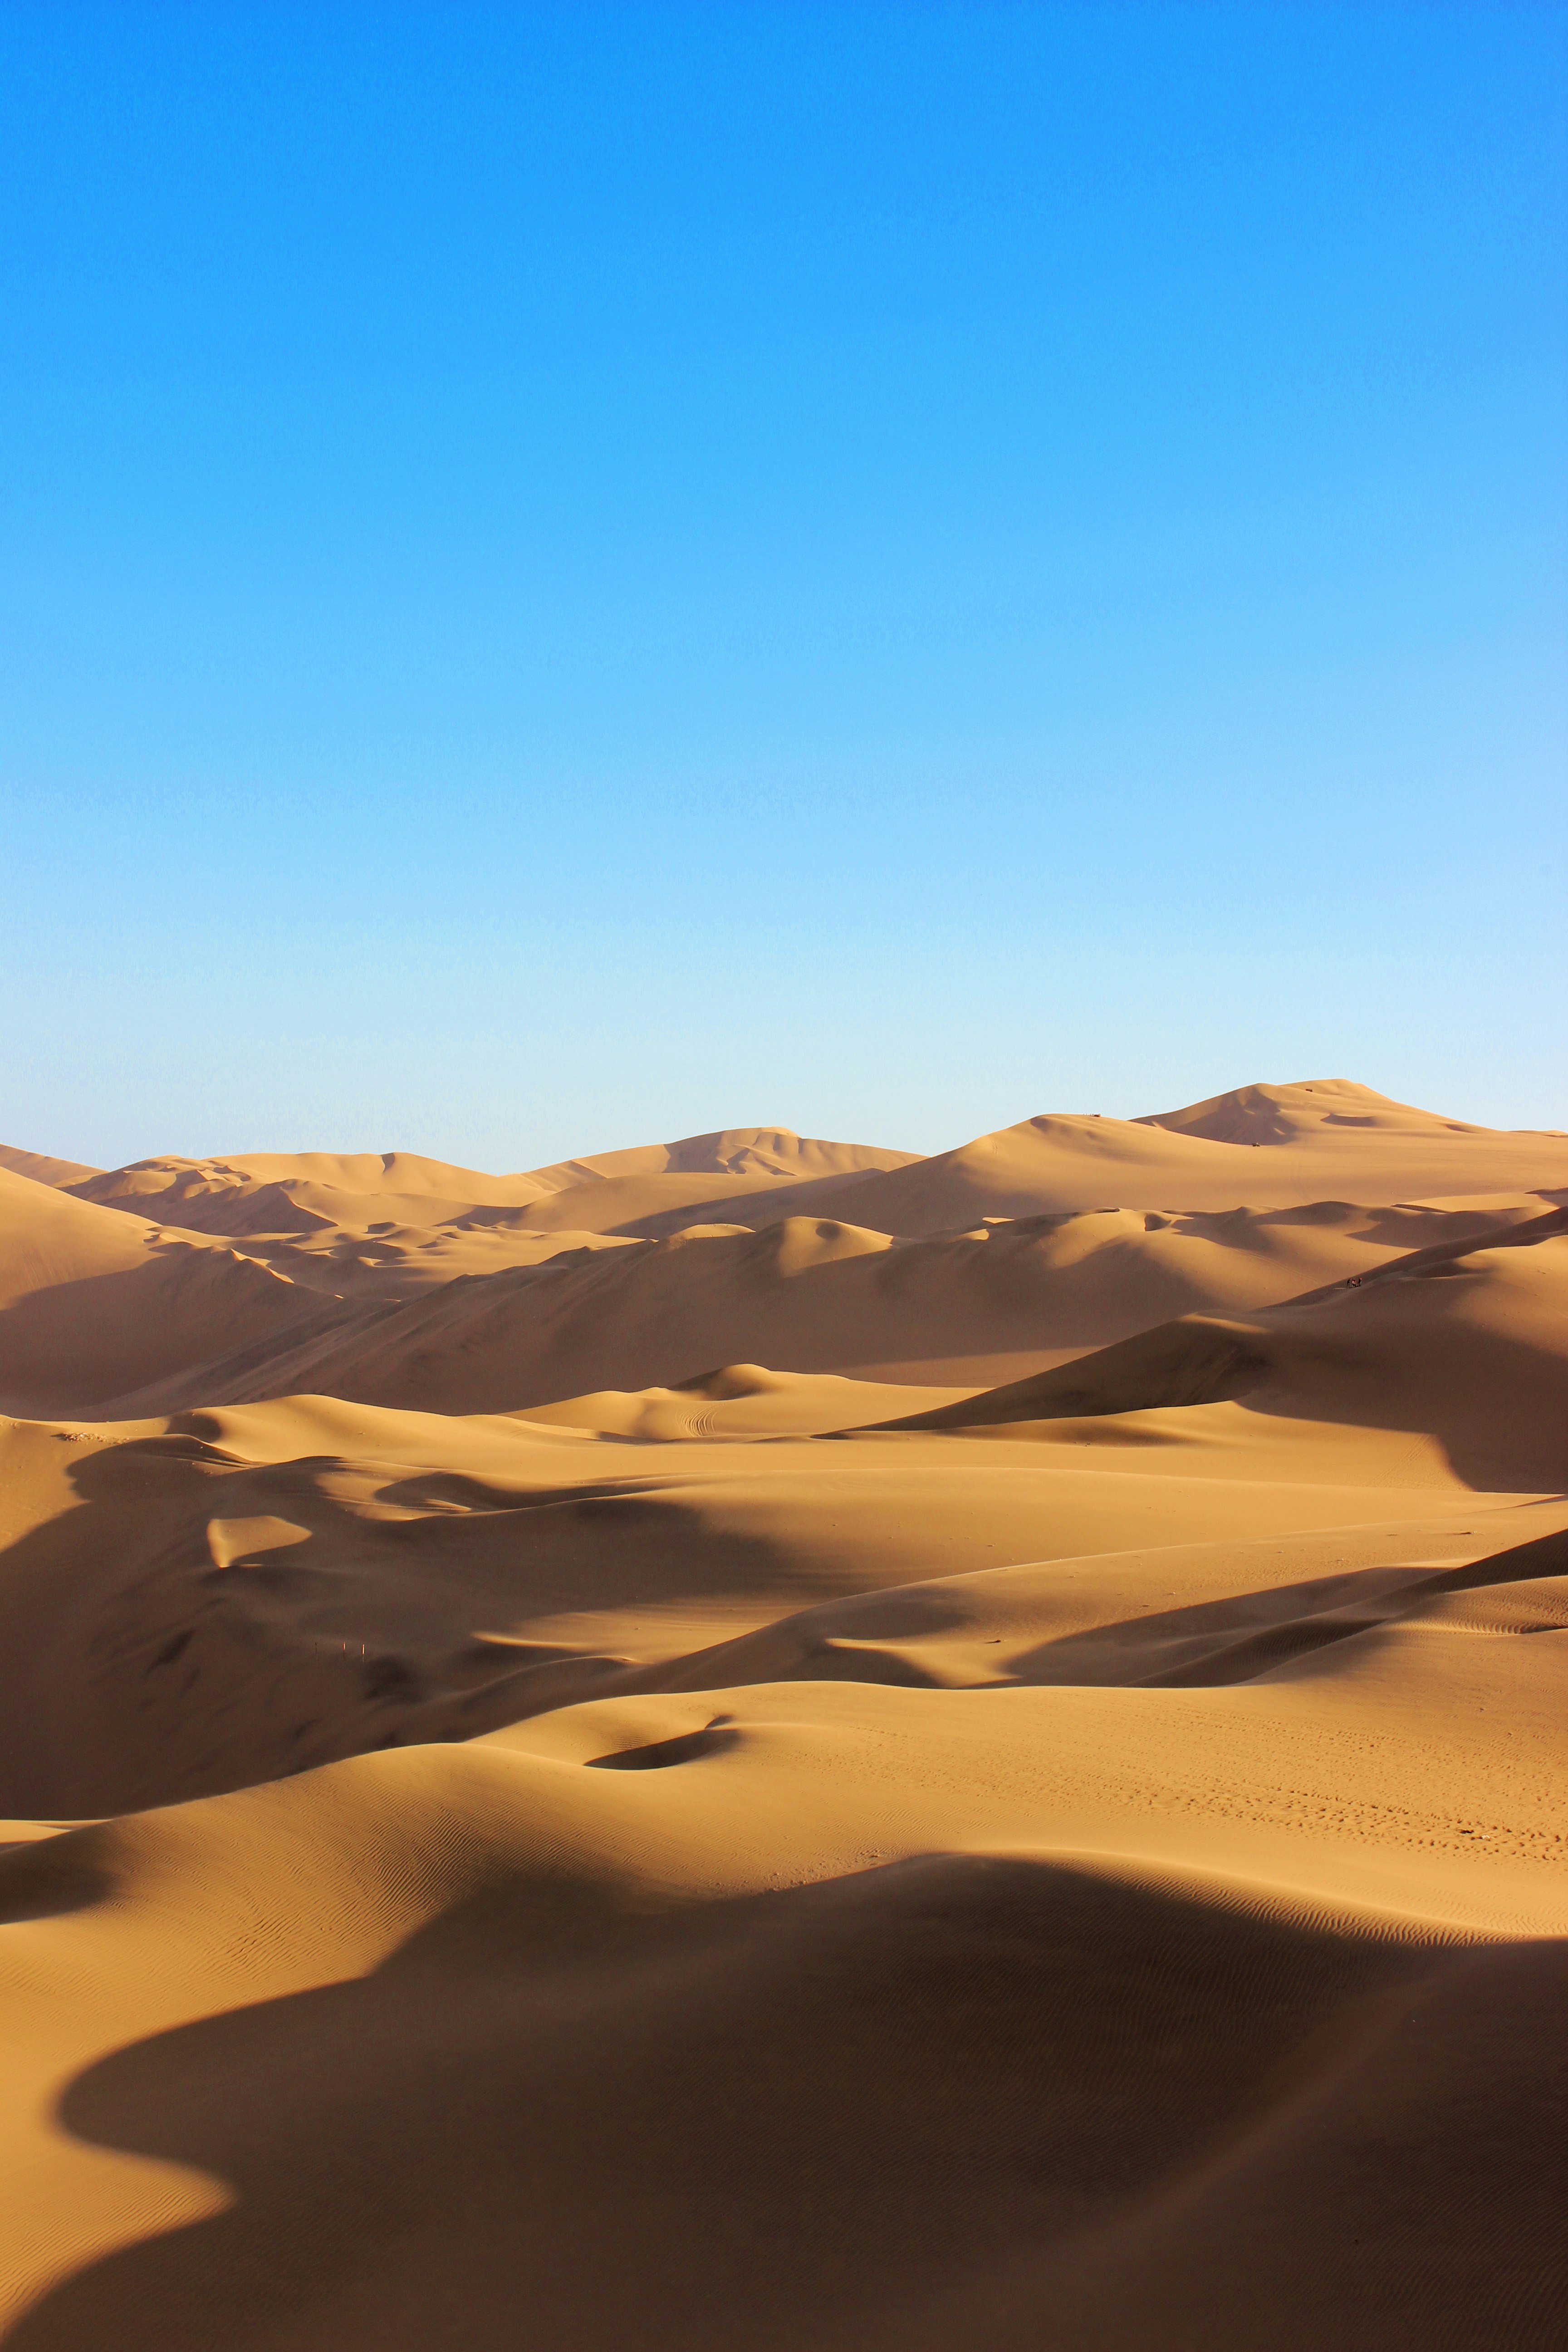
(775, 1151)
(1312, 1111)
(1266, 1146)
(256, 1193)
(43, 1170)
(270, 1191)
(1323, 1139)
(386, 1262)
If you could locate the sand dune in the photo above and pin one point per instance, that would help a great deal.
(262, 1192)
(775, 1151)
(1323, 1141)
(1275, 1155)
(802, 1295)
(1010, 1997)
(43, 1170)
(987, 1771)
(268, 1191)
(388, 1262)
(94, 1302)
(1309, 1111)
(1467, 1345)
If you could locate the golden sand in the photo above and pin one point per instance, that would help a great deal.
(777, 1743)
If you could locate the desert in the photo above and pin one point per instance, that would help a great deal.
(518, 1830)
(761, 1589)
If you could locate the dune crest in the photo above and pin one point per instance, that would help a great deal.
(1293, 1113)
(775, 1151)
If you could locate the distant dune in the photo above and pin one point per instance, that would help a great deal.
(775, 1151)
(1267, 1147)
(263, 1191)
(770, 1741)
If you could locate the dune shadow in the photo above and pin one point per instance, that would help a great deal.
(45, 1878)
(94, 1343)
(1502, 1425)
(685, 1747)
(1247, 1634)
(356, 1635)
(1038, 2101)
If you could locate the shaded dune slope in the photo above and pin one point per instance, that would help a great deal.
(94, 1301)
(1468, 1340)
(1025, 2151)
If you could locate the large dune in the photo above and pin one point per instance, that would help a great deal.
(984, 1771)
(94, 1301)
(1270, 1146)
(263, 1193)
(809, 1294)
(775, 1152)
(43, 1170)
(1466, 1344)
(271, 1192)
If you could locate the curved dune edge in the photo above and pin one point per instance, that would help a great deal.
(249, 1955)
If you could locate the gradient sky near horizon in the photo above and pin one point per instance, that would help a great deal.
(574, 574)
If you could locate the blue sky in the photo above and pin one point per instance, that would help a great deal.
(570, 574)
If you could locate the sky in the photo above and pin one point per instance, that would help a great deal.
(577, 574)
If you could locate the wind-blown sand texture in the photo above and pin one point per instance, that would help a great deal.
(774, 1742)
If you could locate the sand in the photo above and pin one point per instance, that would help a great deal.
(766, 1741)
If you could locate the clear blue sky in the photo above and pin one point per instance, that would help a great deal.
(570, 574)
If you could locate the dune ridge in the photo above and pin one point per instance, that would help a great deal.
(486, 1310)
(951, 1749)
